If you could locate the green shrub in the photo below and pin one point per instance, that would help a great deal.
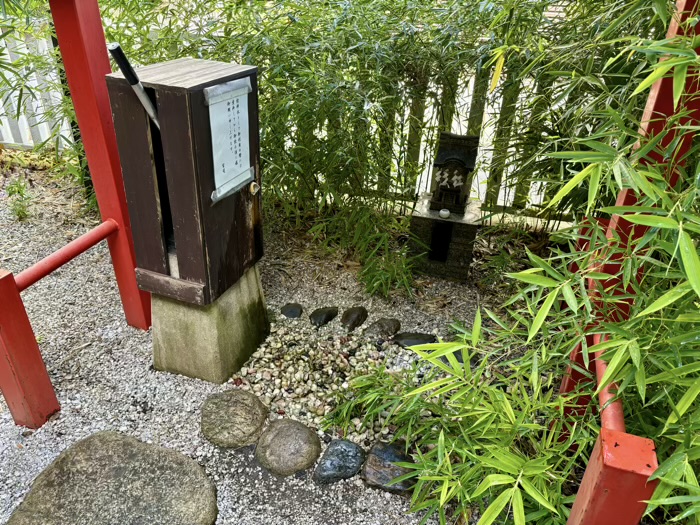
(18, 194)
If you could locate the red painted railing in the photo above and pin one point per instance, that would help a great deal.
(24, 381)
(615, 485)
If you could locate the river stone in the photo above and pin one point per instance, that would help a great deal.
(233, 419)
(110, 478)
(406, 339)
(292, 310)
(323, 316)
(341, 460)
(379, 469)
(384, 327)
(286, 447)
(354, 317)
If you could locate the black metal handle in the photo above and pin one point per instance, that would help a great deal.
(124, 65)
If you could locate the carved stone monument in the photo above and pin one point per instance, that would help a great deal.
(442, 221)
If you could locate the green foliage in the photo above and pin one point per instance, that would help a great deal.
(486, 434)
(652, 356)
(18, 194)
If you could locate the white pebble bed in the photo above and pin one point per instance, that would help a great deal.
(101, 369)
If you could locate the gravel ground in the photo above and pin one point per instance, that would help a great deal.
(101, 369)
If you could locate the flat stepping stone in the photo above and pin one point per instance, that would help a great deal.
(292, 310)
(379, 470)
(233, 419)
(341, 460)
(323, 316)
(111, 478)
(407, 339)
(354, 317)
(384, 327)
(286, 447)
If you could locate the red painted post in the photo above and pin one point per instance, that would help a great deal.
(24, 382)
(83, 48)
(614, 488)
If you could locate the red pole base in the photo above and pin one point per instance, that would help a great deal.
(615, 486)
(24, 381)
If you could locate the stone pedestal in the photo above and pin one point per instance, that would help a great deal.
(446, 245)
(210, 342)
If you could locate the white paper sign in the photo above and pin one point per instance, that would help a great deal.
(228, 119)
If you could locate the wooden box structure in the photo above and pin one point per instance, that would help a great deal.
(193, 240)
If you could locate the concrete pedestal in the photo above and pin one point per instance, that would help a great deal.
(210, 342)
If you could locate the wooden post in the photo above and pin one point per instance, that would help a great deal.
(615, 486)
(24, 381)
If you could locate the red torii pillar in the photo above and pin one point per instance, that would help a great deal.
(81, 41)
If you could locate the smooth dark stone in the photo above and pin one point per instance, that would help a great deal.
(379, 470)
(407, 339)
(384, 328)
(323, 316)
(110, 478)
(292, 310)
(354, 317)
(341, 460)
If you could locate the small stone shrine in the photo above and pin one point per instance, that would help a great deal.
(442, 221)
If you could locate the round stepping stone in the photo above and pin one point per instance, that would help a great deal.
(110, 478)
(379, 469)
(384, 327)
(323, 316)
(354, 317)
(292, 310)
(406, 339)
(286, 447)
(233, 419)
(341, 460)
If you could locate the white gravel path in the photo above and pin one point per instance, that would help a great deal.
(101, 369)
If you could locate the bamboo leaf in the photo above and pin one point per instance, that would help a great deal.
(569, 297)
(658, 73)
(476, 329)
(493, 510)
(518, 508)
(691, 262)
(533, 278)
(593, 186)
(537, 495)
(667, 299)
(641, 382)
(614, 366)
(573, 182)
(679, 75)
(542, 314)
(492, 480)
(654, 221)
(684, 404)
(497, 71)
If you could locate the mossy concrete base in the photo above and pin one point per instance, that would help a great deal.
(210, 342)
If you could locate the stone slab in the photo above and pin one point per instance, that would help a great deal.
(109, 478)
